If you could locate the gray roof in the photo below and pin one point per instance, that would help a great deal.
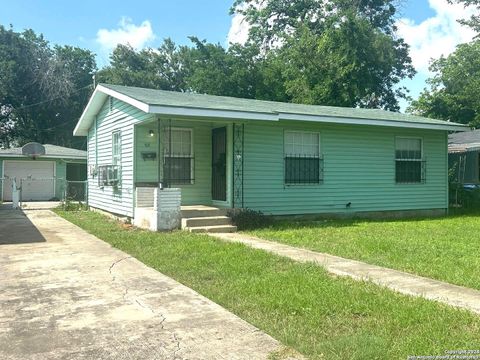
(464, 141)
(191, 100)
(465, 137)
(51, 151)
(222, 108)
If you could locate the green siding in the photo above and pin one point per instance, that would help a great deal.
(99, 152)
(200, 191)
(359, 165)
(358, 168)
(147, 171)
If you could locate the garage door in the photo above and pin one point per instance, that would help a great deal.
(38, 184)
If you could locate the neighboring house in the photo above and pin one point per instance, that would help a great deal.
(42, 178)
(279, 158)
(463, 157)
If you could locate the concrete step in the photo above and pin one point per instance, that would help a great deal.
(212, 229)
(202, 212)
(206, 221)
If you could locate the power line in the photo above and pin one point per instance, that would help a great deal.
(50, 100)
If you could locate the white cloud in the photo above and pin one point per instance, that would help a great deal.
(238, 33)
(137, 36)
(437, 35)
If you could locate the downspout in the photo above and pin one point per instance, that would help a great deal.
(446, 170)
(159, 157)
(96, 142)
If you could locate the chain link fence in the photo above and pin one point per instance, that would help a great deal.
(75, 191)
(44, 189)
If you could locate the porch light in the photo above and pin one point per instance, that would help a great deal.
(151, 133)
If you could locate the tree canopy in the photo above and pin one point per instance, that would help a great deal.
(304, 51)
(454, 88)
(336, 52)
(339, 52)
(474, 20)
(43, 89)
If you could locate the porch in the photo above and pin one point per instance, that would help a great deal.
(204, 159)
(160, 209)
(184, 174)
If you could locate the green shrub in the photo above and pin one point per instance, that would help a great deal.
(249, 219)
(69, 205)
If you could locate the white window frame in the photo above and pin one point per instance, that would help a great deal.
(319, 155)
(117, 157)
(166, 154)
(420, 160)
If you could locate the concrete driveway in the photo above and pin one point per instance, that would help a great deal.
(64, 294)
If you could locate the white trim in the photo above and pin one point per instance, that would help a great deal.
(361, 121)
(80, 130)
(95, 103)
(18, 156)
(211, 113)
(125, 98)
(285, 131)
(3, 177)
(55, 178)
(422, 159)
(410, 137)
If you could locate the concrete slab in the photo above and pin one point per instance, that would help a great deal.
(72, 296)
(399, 281)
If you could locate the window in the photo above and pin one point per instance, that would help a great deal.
(303, 163)
(178, 155)
(409, 163)
(114, 171)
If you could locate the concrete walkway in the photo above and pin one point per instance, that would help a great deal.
(396, 280)
(65, 294)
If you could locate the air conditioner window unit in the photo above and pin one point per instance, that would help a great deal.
(108, 175)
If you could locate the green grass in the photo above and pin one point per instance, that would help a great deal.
(298, 304)
(446, 249)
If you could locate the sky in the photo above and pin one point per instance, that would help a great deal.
(428, 26)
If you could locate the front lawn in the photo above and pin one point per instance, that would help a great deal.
(298, 304)
(446, 249)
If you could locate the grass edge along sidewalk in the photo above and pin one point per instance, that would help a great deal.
(298, 304)
(441, 248)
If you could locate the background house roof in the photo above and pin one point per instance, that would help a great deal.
(464, 141)
(211, 106)
(51, 151)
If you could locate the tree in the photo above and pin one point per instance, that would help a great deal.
(454, 88)
(43, 89)
(474, 20)
(203, 68)
(339, 52)
(161, 68)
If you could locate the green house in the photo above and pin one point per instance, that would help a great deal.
(43, 178)
(278, 158)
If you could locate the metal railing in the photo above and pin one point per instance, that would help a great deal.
(303, 169)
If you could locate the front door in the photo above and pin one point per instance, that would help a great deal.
(219, 164)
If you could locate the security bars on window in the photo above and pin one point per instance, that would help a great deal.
(178, 157)
(303, 162)
(303, 169)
